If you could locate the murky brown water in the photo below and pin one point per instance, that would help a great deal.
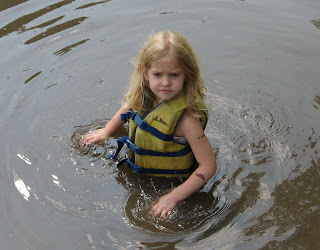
(64, 68)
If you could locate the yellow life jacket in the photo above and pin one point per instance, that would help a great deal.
(152, 149)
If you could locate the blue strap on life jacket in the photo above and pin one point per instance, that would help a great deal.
(141, 151)
(120, 143)
(140, 170)
(136, 118)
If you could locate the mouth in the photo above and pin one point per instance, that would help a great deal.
(165, 90)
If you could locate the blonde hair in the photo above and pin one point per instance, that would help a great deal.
(156, 47)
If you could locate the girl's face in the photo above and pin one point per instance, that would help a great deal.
(166, 79)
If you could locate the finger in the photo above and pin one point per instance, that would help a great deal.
(87, 142)
(155, 212)
(85, 138)
(152, 211)
(165, 214)
(89, 138)
(83, 141)
(154, 205)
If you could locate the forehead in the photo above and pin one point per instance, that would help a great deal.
(167, 63)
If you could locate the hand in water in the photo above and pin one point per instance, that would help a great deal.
(98, 136)
(163, 206)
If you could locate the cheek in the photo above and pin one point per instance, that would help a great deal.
(183, 82)
(182, 85)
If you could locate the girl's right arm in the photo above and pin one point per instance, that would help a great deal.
(100, 135)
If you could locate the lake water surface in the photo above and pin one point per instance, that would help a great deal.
(64, 68)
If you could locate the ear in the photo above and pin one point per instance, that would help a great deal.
(145, 73)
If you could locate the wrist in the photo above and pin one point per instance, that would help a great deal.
(105, 133)
(177, 195)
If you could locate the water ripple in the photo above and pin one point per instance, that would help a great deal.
(189, 215)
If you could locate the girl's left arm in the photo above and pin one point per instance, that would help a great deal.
(189, 127)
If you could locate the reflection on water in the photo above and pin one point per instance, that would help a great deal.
(42, 25)
(9, 4)
(69, 48)
(22, 188)
(92, 4)
(72, 57)
(31, 77)
(19, 23)
(317, 101)
(56, 29)
(316, 23)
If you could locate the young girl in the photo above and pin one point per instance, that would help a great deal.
(167, 116)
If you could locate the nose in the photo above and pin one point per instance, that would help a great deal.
(166, 81)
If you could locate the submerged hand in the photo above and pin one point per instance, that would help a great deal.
(98, 136)
(163, 206)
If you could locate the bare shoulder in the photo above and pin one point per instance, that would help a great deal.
(189, 125)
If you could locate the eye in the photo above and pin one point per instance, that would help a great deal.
(157, 74)
(174, 74)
